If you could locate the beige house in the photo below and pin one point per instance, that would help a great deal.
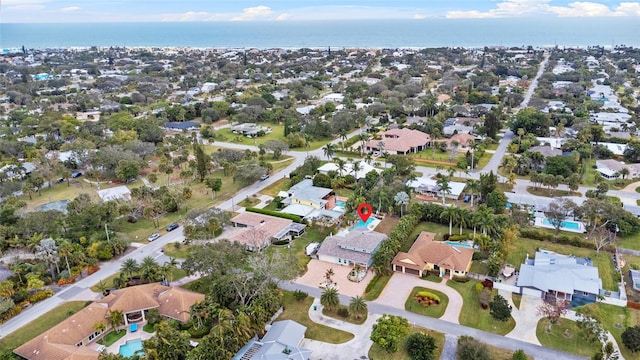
(68, 339)
(426, 254)
(400, 141)
(260, 230)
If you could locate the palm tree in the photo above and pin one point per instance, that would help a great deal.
(115, 318)
(463, 218)
(358, 307)
(329, 150)
(401, 199)
(329, 298)
(343, 137)
(65, 249)
(473, 186)
(449, 213)
(328, 274)
(149, 269)
(443, 184)
(341, 165)
(99, 327)
(129, 267)
(485, 219)
(624, 172)
(356, 168)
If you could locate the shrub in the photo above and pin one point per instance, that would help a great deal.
(66, 281)
(631, 338)
(295, 218)
(500, 308)
(343, 312)
(459, 237)
(479, 287)
(477, 256)
(421, 346)
(472, 349)
(92, 269)
(488, 284)
(461, 279)
(519, 355)
(199, 332)
(40, 295)
(426, 298)
(300, 295)
(11, 313)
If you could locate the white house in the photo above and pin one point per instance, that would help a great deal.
(115, 193)
(429, 186)
(363, 169)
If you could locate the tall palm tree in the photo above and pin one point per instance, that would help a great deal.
(463, 218)
(149, 269)
(443, 184)
(449, 213)
(129, 267)
(329, 150)
(473, 186)
(356, 168)
(485, 219)
(115, 318)
(358, 307)
(341, 165)
(401, 199)
(329, 298)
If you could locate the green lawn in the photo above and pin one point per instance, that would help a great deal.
(311, 234)
(336, 314)
(376, 286)
(281, 185)
(298, 311)
(517, 299)
(177, 250)
(565, 336)
(434, 311)
(524, 246)
(431, 227)
(249, 202)
(149, 328)
(630, 242)
(473, 315)
(112, 337)
(376, 352)
(41, 324)
(277, 133)
(616, 319)
(543, 191)
(479, 268)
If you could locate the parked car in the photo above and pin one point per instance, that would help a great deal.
(76, 174)
(172, 226)
(153, 237)
(264, 177)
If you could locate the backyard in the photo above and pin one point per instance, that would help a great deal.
(277, 133)
(565, 336)
(376, 352)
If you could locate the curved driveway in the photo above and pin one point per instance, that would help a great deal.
(400, 286)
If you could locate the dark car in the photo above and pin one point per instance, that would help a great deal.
(76, 174)
(172, 226)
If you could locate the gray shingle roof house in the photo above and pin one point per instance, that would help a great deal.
(306, 193)
(281, 342)
(355, 248)
(563, 276)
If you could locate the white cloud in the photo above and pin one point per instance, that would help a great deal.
(194, 16)
(519, 8)
(70, 8)
(25, 7)
(254, 12)
(419, 16)
(282, 17)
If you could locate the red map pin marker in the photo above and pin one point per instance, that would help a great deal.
(364, 211)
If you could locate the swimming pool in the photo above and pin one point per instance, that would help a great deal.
(341, 203)
(60, 205)
(567, 224)
(455, 243)
(361, 224)
(130, 347)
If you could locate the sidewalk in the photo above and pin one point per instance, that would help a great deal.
(356, 348)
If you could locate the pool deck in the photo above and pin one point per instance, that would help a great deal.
(539, 222)
(115, 347)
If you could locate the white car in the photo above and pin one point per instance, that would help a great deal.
(154, 236)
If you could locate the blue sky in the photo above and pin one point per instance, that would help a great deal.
(300, 10)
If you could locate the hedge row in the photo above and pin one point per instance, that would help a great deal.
(573, 240)
(295, 218)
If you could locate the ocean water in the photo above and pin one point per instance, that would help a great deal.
(338, 34)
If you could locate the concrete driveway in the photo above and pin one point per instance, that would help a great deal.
(400, 286)
(526, 317)
(316, 270)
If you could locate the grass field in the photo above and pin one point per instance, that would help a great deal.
(177, 250)
(112, 337)
(336, 315)
(376, 352)
(277, 133)
(273, 189)
(543, 191)
(616, 319)
(41, 324)
(473, 315)
(298, 246)
(434, 311)
(565, 336)
(298, 311)
(376, 285)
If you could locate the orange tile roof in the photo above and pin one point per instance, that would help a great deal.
(427, 251)
(176, 303)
